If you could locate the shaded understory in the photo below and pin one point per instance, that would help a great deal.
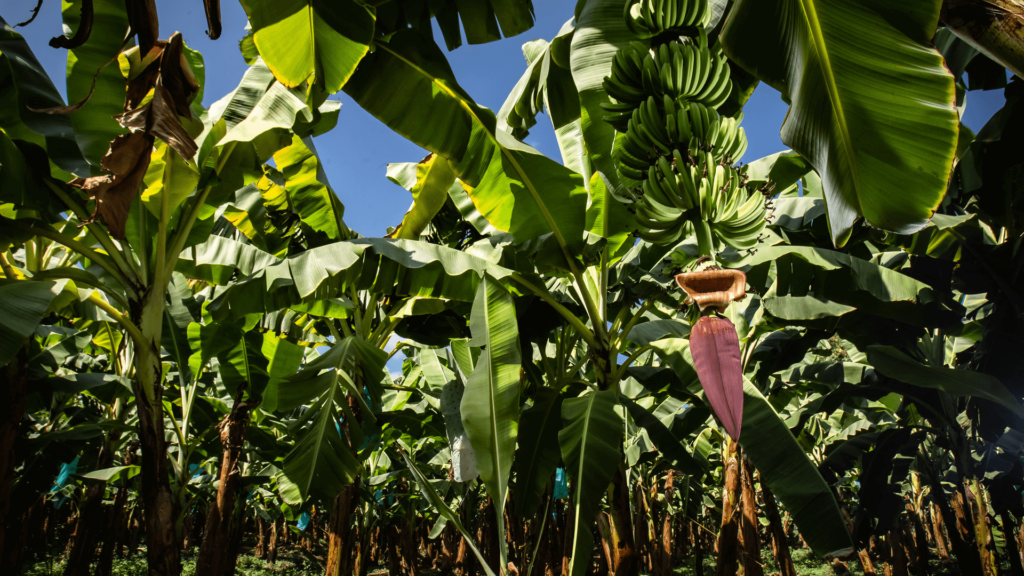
(294, 561)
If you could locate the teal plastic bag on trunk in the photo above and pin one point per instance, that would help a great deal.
(561, 484)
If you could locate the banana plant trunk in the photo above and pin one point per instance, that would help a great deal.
(223, 519)
(979, 517)
(749, 541)
(272, 544)
(897, 564)
(923, 555)
(487, 534)
(90, 522)
(665, 560)
(728, 559)
(966, 556)
(938, 534)
(1012, 549)
(408, 550)
(163, 551)
(12, 408)
(698, 550)
(780, 546)
(626, 561)
(993, 27)
(339, 534)
(114, 534)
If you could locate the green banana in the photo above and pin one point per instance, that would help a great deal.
(665, 89)
(649, 18)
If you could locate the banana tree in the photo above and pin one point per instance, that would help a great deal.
(136, 246)
(583, 281)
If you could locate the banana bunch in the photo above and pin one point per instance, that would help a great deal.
(649, 18)
(690, 72)
(656, 130)
(699, 194)
(676, 148)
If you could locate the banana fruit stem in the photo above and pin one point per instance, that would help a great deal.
(705, 243)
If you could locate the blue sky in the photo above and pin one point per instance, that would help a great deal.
(357, 151)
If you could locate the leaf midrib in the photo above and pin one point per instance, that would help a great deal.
(818, 41)
(591, 398)
(492, 386)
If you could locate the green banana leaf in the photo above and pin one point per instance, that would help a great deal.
(675, 353)
(896, 364)
(871, 101)
(181, 311)
(784, 169)
(321, 462)
(235, 106)
(600, 33)
(668, 445)
(168, 174)
(651, 331)
(590, 440)
(278, 108)
(479, 19)
(428, 181)
(538, 453)
(547, 85)
(206, 341)
(490, 403)
(257, 360)
(23, 85)
(803, 307)
(881, 283)
(26, 303)
(407, 84)
(792, 476)
(321, 40)
(112, 474)
(248, 213)
(56, 348)
(20, 188)
(465, 355)
(308, 193)
(218, 258)
(609, 219)
(438, 503)
(399, 267)
(94, 123)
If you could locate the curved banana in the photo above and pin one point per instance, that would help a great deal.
(649, 18)
(665, 90)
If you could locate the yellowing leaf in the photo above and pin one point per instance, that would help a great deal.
(429, 181)
(167, 174)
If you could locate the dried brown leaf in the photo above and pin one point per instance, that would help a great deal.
(127, 160)
(212, 18)
(713, 288)
(81, 35)
(145, 24)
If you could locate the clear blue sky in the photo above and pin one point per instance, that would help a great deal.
(357, 151)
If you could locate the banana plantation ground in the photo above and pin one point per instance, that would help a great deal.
(651, 354)
(302, 557)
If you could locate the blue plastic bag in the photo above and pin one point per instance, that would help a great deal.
(561, 484)
(66, 471)
(303, 521)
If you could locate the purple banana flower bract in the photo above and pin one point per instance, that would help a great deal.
(715, 348)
